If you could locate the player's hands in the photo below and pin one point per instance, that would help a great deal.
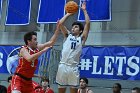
(70, 14)
(46, 48)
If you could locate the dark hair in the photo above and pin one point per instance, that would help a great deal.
(85, 79)
(28, 36)
(119, 85)
(137, 89)
(81, 27)
(9, 78)
(45, 79)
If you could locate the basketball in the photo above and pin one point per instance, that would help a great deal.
(71, 7)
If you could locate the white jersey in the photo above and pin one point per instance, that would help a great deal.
(72, 48)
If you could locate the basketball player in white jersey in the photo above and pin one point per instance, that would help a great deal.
(68, 74)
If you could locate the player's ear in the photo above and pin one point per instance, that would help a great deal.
(81, 32)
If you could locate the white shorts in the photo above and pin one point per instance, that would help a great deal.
(67, 75)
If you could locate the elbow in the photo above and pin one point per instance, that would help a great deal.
(60, 24)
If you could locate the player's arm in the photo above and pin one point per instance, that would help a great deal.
(25, 54)
(37, 76)
(63, 29)
(87, 23)
(52, 40)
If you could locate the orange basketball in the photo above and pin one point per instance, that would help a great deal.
(71, 7)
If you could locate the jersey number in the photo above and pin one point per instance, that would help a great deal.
(32, 64)
(73, 45)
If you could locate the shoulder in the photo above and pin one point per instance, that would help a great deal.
(89, 91)
(23, 49)
(78, 91)
(68, 35)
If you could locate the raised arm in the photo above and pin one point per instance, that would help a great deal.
(52, 40)
(63, 29)
(87, 23)
(25, 54)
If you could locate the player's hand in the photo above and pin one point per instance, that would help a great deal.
(83, 7)
(70, 14)
(46, 48)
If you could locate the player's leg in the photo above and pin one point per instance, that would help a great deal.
(16, 84)
(61, 78)
(61, 89)
(73, 90)
(73, 79)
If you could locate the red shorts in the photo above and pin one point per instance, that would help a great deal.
(22, 85)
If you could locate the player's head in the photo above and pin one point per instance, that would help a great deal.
(30, 39)
(45, 82)
(136, 90)
(117, 88)
(77, 28)
(83, 83)
(9, 79)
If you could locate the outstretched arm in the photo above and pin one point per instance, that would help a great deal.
(63, 29)
(52, 40)
(87, 24)
(25, 54)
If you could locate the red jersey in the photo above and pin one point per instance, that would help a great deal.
(40, 90)
(79, 90)
(26, 68)
(49, 90)
(35, 85)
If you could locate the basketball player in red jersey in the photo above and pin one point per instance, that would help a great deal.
(22, 79)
